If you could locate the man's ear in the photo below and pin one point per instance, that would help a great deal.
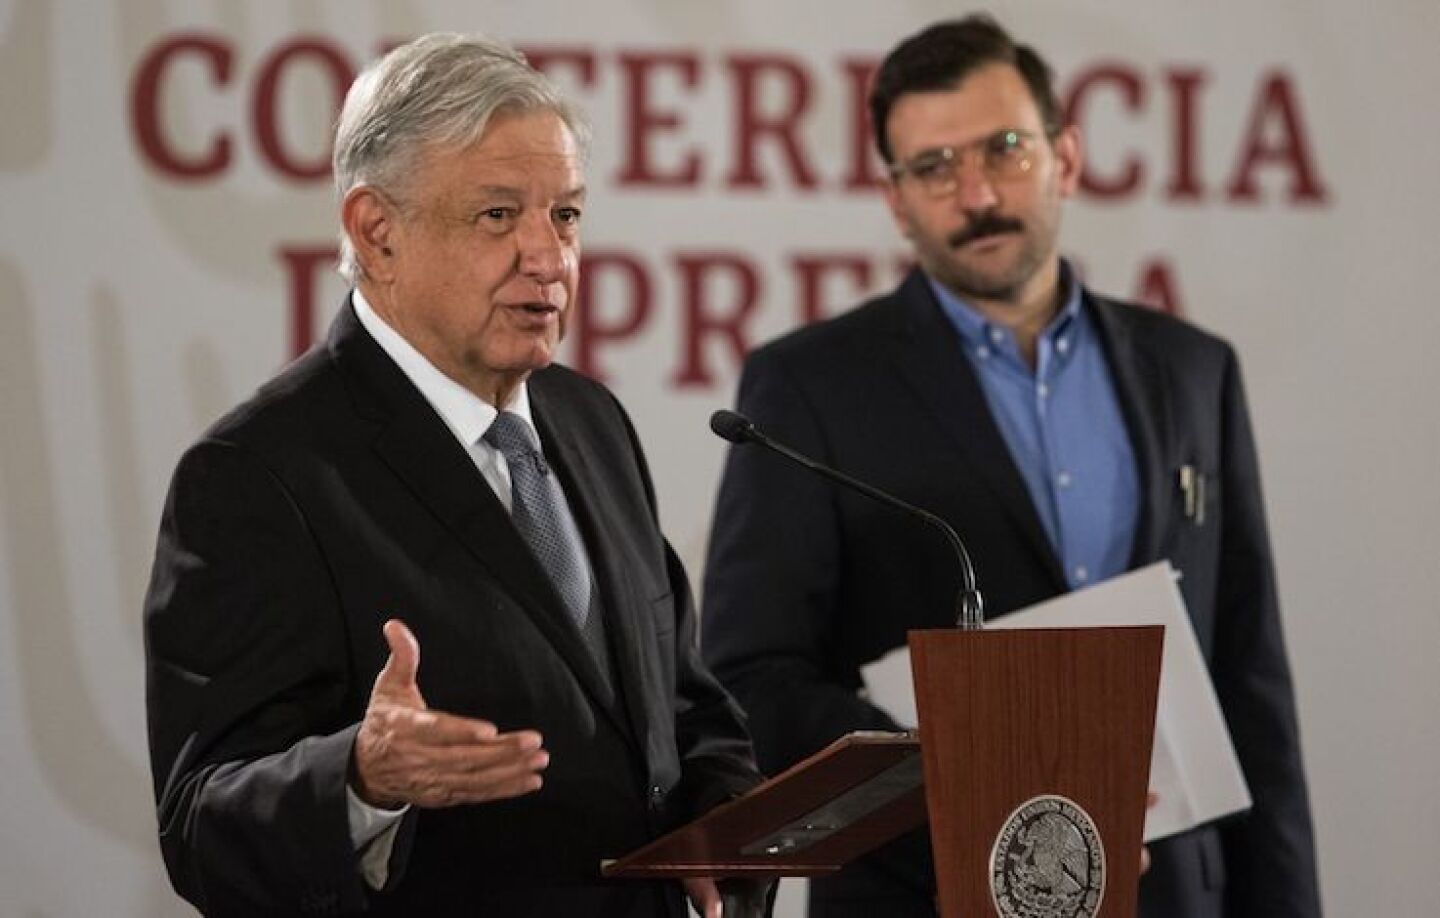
(369, 219)
(1069, 159)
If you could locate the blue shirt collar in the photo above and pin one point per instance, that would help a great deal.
(976, 329)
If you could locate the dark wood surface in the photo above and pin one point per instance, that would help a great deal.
(714, 844)
(1006, 716)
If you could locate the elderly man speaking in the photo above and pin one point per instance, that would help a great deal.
(427, 480)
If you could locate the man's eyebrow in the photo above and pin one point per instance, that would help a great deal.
(494, 191)
(479, 193)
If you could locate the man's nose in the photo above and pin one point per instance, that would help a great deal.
(540, 249)
(974, 189)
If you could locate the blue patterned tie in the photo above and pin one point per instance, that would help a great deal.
(541, 514)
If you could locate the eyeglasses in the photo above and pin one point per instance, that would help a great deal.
(1006, 154)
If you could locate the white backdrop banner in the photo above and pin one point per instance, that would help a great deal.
(167, 235)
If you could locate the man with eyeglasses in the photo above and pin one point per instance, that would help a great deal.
(1067, 436)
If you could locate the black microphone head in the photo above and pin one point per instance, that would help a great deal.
(731, 426)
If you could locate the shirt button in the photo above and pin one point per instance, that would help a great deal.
(983, 351)
(997, 335)
(1044, 390)
(1063, 479)
(1082, 573)
(1062, 345)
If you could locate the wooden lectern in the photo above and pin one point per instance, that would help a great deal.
(1031, 766)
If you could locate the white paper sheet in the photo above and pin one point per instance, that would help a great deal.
(1193, 768)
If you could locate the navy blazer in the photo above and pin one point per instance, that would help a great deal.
(337, 498)
(806, 583)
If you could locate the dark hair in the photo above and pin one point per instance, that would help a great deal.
(941, 56)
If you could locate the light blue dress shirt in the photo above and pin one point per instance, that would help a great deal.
(1065, 430)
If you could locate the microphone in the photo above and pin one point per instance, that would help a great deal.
(969, 605)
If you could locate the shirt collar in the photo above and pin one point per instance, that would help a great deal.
(466, 414)
(977, 330)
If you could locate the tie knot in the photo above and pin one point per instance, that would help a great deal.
(512, 437)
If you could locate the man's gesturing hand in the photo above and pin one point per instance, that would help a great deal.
(406, 753)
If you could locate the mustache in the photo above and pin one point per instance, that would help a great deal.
(987, 224)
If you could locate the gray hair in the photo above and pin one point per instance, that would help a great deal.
(438, 90)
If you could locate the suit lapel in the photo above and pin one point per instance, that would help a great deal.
(417, 446)
(1141, 386)
(589, 500)
(929, 357)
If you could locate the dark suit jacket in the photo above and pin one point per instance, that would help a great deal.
(337, 498)
(806, 583)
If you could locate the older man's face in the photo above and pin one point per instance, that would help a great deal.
(487, 254)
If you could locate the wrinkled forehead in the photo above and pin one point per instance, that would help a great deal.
(452, 179)
(518, 149)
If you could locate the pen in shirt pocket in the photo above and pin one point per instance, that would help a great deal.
(1192, 486)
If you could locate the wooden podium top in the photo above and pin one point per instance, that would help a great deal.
(856, 794)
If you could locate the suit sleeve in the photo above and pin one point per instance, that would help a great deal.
(772, 623)
(1270, 859)
(246, 678)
